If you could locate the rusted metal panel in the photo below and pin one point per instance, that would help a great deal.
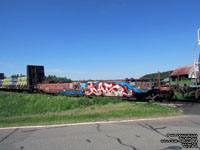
(165, 88)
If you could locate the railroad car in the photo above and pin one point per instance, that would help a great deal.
(109, 88)
(14, 83)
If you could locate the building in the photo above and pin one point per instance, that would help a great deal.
(184, 73)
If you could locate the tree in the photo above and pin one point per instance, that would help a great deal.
(17, 75)
(163, 75)
(54, 79)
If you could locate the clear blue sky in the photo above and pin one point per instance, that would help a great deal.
(97, 39)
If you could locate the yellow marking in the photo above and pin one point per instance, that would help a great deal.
(24, 79)
(18, 81)
(21, 81)
(6, 82)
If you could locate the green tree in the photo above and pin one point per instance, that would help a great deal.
(163, 75)
(54, 79)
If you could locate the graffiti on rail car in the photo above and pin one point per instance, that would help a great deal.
(70, 88)
(121, 89)
(14, 83)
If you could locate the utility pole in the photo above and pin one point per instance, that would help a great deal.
(196, 63)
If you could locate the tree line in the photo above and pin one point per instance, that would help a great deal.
(48, 79)
(163, 75)
(54, 79)
(17, 75)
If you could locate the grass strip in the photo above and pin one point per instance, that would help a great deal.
(20, 104)
(125, 110)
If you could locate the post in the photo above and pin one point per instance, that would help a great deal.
(159, 79)
(10, 93)
(169, 78)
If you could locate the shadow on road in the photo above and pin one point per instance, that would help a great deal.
(190, 108)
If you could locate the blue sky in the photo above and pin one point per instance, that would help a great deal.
(97, 39)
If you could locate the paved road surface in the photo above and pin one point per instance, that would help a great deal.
(138, 135)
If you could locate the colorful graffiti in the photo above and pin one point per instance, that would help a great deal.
(14, 83)
(108, 89)
(70, 88)
(21, 82)
(120, 89)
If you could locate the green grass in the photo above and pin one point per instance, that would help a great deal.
(179, 95)
(36, 109)
(19, 104)
(181, 83)
(186, 96)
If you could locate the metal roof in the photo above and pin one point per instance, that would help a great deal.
(182, 70)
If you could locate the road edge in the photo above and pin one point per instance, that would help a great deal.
(90, 123)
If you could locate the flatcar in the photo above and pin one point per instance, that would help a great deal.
(109, 88)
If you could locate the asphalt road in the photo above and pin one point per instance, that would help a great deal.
(190, 108)
(136, 135)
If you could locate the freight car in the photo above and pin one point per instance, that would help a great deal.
(110, 88)
(135, 89)
(19, 83)
(35, 75)
(131, 89)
